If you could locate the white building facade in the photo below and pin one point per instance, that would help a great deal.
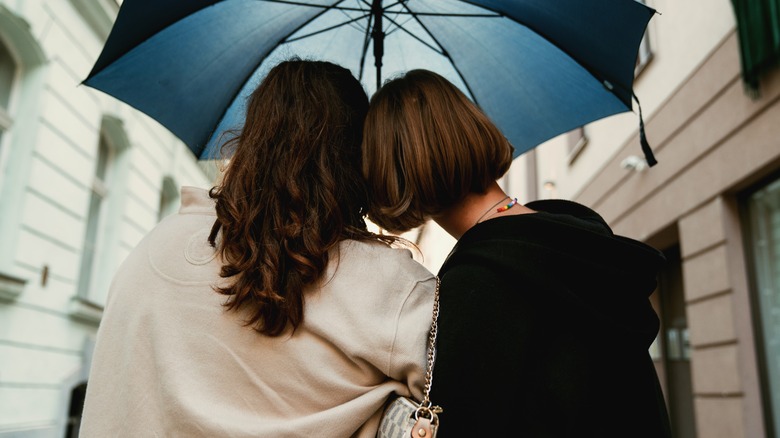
(83, 178)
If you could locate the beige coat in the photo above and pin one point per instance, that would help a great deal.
(171, 362)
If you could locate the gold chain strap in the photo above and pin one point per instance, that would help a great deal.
(425, 408)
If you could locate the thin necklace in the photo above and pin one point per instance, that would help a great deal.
(491, 208)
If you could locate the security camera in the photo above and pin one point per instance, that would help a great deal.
(632, 162)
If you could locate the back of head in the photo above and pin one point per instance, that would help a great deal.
(425, 147)
(292, 190)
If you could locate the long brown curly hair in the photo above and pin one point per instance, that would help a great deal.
(292, 191)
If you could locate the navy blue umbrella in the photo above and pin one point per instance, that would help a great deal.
(538, 68)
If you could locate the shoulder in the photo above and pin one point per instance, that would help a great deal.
(381, 259)
(561, 206)
(375, 276)
(570, 213)
(177, 249)
(195, 200)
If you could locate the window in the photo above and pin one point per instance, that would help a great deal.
(763, 210)
(8, 70)
(99, 14)
(576, 142)
(169, 198)
(22, 77)
(673, 350)
(645, 51)
(101, 254)
(105, 213)
(99, 193)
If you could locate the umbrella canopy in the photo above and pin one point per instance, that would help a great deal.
(538, 68)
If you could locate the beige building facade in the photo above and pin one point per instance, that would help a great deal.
(712, 204)
(715, 147)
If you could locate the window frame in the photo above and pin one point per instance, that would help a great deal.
(99, 190)
(577, 140)
(645, 53)
(771, 423)
(6, 111)
(88, 301)
(16, 153)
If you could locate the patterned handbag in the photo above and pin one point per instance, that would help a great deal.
(405, 417)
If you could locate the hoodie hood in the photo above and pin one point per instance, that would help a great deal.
(570, 252)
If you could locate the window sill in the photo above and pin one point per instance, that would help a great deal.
(86, 311)
(99, 14)
(577, 150)
(10, 287)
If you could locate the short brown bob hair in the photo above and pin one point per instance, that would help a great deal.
(425, 147)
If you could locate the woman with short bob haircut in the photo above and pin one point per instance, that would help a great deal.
(544, 320)
(265, 307)
(422, 128)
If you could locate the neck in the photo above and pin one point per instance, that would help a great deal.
(468, 212)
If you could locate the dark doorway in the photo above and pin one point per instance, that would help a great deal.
(77, 396)
(675, 345)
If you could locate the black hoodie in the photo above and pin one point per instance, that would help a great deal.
(544, 330)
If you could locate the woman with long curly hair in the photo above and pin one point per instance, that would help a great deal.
(265, 307)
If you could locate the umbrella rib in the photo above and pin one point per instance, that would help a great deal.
(289, 40)
(341, 8)
(346, 8)
(304, 24)
(444, 53)
(406, 11)
(401, 2)
(438, 14)
(608, 82)
(397, 13)
(325, 9)
(354, 26)
(366, 40)
(386, 11)
(439, 50)
(598, 75)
